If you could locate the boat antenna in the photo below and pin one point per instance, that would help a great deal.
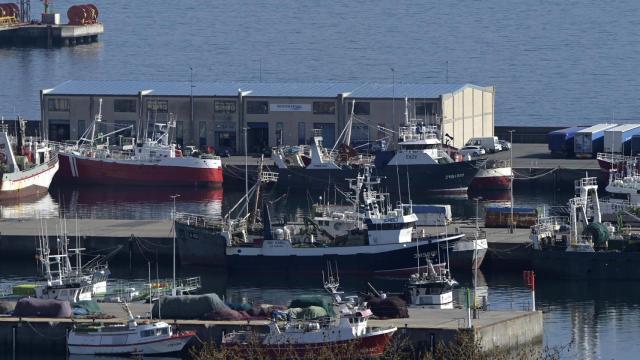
(418, 254)
(446, 240)
(96, 120)
(150, 299)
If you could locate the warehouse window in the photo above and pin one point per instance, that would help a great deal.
(425, 108)
(202, 133)
(257, 107)
(179, 132)
(224, 106)
(361, 108)
(302, 135)
(81, 128)
(122, 105)
(161, 106)
(58, 105)
(324, 107)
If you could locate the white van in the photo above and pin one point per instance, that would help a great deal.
(490, 144)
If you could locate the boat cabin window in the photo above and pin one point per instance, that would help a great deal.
(418, 146)
(162, 331)
(147, 333)
(390, 226)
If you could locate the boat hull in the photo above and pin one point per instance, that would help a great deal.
(464, 255)
(167, 172)
(492, 179)
(450, 178)
(367, 345)
(27, 184)
(605, 265)
(162, 346)
(394, 259)
(433, 178)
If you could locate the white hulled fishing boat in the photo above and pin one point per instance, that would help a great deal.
(27, 166)
(148, 338)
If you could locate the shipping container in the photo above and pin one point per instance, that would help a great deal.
(561, 141)
(590, 141)
(615, 138)
(432, 215)
(500, 216)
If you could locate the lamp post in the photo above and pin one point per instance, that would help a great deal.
(191, 98)
(173, 290)
(246, 172)
(475, 252)
(512, 175)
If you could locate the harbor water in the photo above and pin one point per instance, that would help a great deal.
(593, 319)
(553, 63)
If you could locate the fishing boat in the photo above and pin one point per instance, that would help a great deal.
(147, 338)
(62, 278)
(493, 175)
(433, 286)
(583, 246)
(349, 331)
(149, 161)
(420, 160)
(383, 244)
(27, 166)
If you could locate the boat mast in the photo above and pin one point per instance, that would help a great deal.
(97, 120)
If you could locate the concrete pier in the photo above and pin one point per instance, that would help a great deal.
(424, 328)
(18, 237)
(50, 35)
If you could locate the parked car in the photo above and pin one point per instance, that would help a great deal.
(490, 144)
(505, 145)
(472, 150)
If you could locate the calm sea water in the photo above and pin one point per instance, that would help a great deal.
(590, 320)
(568, 62)
(553, 62)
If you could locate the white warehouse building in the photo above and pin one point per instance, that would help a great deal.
(216, 113)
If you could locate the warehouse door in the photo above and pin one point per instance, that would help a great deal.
(59, 130)
(328, 133)
(258, 138)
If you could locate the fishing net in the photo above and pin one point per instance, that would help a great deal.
(5, 307)
(312, 312)
(391, 307)
(189, 306)
(32, 307)
(304, 301)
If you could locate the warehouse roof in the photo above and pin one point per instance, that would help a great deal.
(279, 89)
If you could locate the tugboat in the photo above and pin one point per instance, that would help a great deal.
(27, 170)
(152, 161)
(149, 338)
(301, 338)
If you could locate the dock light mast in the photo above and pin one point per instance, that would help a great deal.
(512, 175)
(173, 290)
